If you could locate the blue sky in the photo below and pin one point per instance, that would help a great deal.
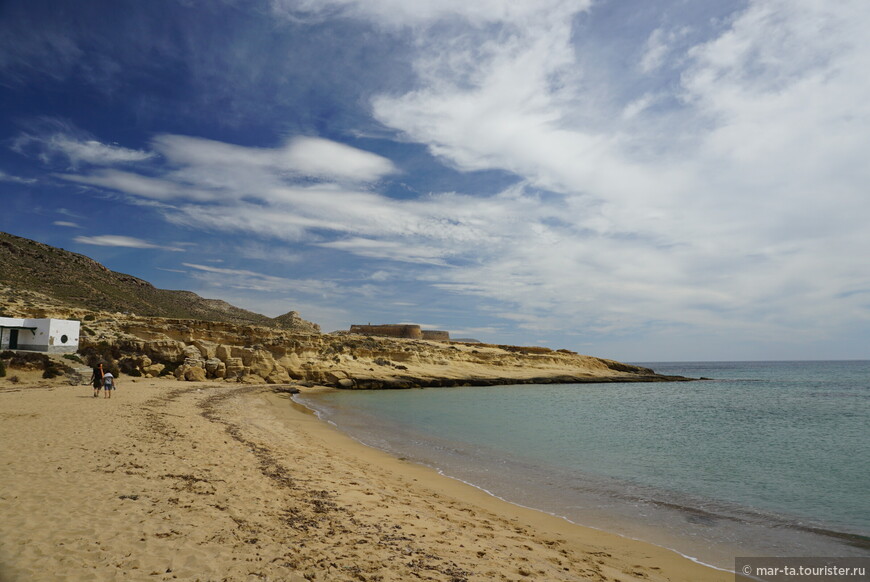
(645, 181)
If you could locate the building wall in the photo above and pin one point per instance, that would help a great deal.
(63, 335)
(12, 322)
(389, 330)
(49, 335)
(437, 335)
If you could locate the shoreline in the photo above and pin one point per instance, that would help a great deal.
(469, 492)
(441, 472)
(656, 521)
(179, 480)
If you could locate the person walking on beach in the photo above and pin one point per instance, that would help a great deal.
(97, 380)
(108, 384)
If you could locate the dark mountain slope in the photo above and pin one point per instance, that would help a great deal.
(79, 281)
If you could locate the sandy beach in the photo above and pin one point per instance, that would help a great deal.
(174, 480)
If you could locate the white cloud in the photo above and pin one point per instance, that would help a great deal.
(66, 224)
(222, 271)
(399, 13)
(656, 49)
(139, 185)
(659, 46)
(263, 252)
(53, 138)
(253, 281)
(730, 197)
(69, 213)
(389, 250)
(707, 226)
(93, 152)
(110, 240)
(203, 170)
(328, 159)
(4, 177)
(304, 156)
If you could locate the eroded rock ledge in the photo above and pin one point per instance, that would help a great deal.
(198, 350)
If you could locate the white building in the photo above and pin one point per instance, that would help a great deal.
(40, 335)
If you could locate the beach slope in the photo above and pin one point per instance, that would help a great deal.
(176, 480)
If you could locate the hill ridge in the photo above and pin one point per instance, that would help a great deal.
(79, 281)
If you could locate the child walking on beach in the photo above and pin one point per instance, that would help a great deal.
(108, 384)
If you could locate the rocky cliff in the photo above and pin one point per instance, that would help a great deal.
(198, 350)
(209, 342)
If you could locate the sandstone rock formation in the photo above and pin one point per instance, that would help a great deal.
(208, 350)
(198, 350)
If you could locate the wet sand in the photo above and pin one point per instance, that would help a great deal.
(180, 481)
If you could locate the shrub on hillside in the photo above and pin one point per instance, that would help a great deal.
(52, 371)
(27, 360)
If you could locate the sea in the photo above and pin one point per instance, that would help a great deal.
(762, 459)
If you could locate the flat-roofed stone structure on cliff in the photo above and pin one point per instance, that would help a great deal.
(407, 331)
(389, 330)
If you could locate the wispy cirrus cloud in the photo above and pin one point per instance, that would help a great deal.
(54, 139)
(112, 240)
(253, 281)
(203, 170)
(4, 177)
(93, 152)
(155, 188)
(389, 250)
(310, 157)
(398, 13)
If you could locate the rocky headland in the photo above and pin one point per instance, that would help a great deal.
(143, 331)
(197, 350)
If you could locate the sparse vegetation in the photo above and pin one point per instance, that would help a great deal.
(52, 371)
(79, 281)
(25, 360)
(101, 353)
(32, 361)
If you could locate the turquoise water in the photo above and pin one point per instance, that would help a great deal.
(769, 458)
